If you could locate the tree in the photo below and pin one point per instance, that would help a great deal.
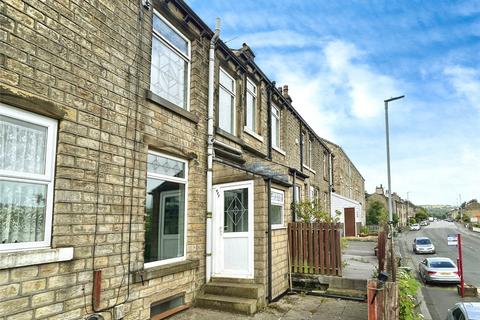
(421, 214)
(311, 211)
(376, 214)
(395, 219)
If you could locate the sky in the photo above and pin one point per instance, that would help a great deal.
(341, 59)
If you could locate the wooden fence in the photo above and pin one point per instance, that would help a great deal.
(315, 248)
(382, 299)
(381, 250)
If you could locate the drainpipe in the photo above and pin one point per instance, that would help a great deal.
(269, 221)
(269, 118)
(211, 72)
(294, 196)
(301, 148)
(330, 180)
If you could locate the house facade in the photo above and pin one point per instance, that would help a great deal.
(348, 196)
(404, 209)
(144, 165)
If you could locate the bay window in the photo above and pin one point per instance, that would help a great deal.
(165, 221)
(27, 162)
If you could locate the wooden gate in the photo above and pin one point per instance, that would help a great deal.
(349, 215)
(315, 248)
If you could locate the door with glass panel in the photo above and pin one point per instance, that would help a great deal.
(233, 230)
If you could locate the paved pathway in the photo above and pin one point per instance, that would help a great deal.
(360, 260)
(295, 307)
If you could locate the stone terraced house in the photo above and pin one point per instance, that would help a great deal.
(144, 165)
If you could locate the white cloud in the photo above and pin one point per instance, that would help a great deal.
(277, 38)
(367, 88)
(466, 82)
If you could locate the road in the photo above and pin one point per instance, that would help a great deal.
(439, 298)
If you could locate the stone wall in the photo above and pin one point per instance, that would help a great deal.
(87, 64)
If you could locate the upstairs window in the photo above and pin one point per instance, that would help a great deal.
(226, 102)
(275, 127)
(251, 107)
(309, 162)
(325, 165)
(27, 162)
(170, 68)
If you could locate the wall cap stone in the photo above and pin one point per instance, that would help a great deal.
(15, 259)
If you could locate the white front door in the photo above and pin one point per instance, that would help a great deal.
(233, 230)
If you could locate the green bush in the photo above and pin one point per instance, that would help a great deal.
(407, 291)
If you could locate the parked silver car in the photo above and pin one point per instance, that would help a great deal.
(415, 227)
(464, 311)
(423, 245)
(442, 270)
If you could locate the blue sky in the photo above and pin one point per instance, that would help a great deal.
(341, 59)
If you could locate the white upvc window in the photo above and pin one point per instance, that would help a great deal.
(165, 210)
(325, 165)
(251, 106)
(310, 153)
(171, 58)
(312, 193)
(275, 127)
(277, 207)
(27, 165)
(226, 102)
(297, 198)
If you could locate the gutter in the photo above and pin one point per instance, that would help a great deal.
(210, 150)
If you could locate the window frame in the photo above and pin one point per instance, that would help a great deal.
(232, 94)
(254, 106)
(276, 118)
(277, 203)
(48, 178)
(158, 176)
(187, 58)
(325, 165)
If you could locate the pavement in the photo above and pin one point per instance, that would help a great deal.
(359, 259)
(438, 298)
(290, 307)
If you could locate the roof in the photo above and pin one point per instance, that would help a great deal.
(419, 238)
(439, 259)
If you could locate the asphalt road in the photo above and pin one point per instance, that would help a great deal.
(439, 298)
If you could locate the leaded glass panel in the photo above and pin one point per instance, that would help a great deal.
(236, 210)
(169, 74)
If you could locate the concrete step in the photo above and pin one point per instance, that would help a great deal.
(241, 290)
(226, 303)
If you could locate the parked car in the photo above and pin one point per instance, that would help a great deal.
(452, 240)
(415, 227)
(464, 310)
(424, 223)
(423, 245)
(441, 270)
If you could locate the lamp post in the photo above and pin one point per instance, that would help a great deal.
(390, 206)
(408, 204)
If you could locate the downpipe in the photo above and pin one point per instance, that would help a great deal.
(210, 152)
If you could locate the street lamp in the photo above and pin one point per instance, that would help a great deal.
(390, 207)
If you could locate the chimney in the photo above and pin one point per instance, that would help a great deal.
(280, 89)
(285, 93)
(379, 190)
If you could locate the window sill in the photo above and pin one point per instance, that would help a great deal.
(248, 131)
(228, 136)
(30, 257)
(279, 150)
(172, 107)
(164, 270)
(309, 169)
(279, 227)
